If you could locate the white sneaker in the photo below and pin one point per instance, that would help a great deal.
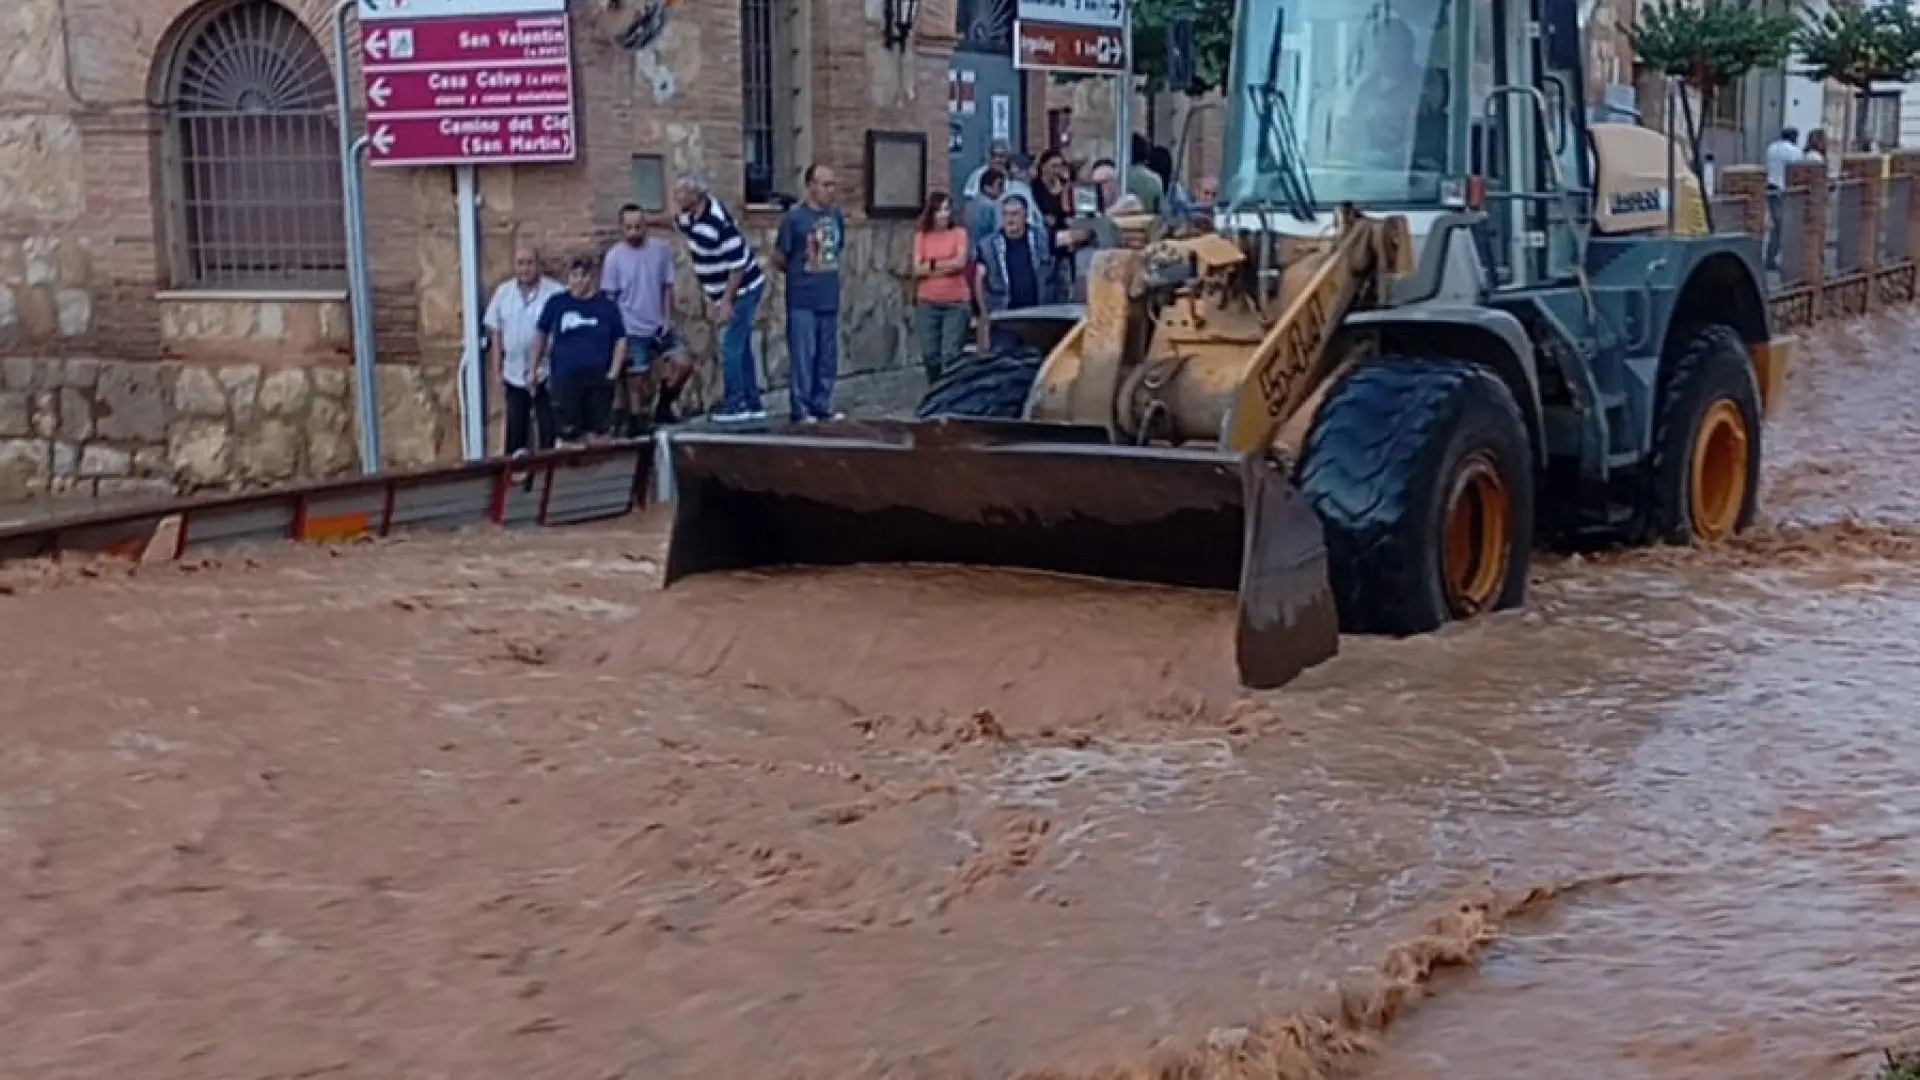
(740, 416)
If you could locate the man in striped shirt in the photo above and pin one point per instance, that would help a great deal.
(733, 284)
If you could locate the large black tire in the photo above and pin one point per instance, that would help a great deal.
(1393, 442)
(993, 386)
(1708, 391)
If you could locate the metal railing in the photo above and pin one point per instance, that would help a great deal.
(1895, 212)
(1846, 219)
(1729, 214)
(1789, 242)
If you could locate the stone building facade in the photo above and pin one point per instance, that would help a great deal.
(172, 286)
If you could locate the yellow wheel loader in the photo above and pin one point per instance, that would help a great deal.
(1415, 337)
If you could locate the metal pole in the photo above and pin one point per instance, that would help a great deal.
(473, 406)
(1123, 98)
(359, 276)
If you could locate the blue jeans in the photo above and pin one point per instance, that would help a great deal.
(813, 347)
(740, 385)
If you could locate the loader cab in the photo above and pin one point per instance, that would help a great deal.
(1417, 107)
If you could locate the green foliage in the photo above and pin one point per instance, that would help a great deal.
(1861, 43)
(1710, 44)
(1212, 41)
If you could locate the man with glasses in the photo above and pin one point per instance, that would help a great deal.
(809, 250)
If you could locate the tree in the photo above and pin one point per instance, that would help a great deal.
(1709, 45)
(1860, 43)
(1212, 42)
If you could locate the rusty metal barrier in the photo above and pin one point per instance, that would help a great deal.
(1895, 211)
(1846, 225)
(562, 487)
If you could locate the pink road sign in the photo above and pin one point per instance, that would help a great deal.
(493, 87)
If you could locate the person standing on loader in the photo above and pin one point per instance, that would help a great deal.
(582, 343)
(731, 279)
(511, 321)
(637, 273)
(811, 242)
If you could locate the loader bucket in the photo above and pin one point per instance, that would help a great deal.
(1010, 494)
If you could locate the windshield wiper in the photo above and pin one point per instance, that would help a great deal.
(1276, 127)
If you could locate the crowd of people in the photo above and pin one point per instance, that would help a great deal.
(598, 356)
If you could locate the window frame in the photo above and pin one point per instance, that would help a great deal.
(186, 258)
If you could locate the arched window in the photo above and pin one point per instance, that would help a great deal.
(253, 156)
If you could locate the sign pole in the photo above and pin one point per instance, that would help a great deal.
(473, 383)
(1123, 98)
(366, 388)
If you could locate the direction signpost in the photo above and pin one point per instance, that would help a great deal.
(1083, 36)
(1087, 37)
(468, 82)
(464, 83)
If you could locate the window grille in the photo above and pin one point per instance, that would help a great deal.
(254, 155)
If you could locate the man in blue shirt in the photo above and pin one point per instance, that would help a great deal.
(581, 343)
(811, 245)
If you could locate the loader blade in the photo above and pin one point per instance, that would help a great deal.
(1287, 618)
(1038, 497)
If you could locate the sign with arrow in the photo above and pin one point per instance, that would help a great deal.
(1063, 47)
(467, 82)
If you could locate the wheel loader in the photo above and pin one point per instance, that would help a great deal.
(1437, 317)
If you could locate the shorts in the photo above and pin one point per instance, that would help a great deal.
(643, 351)
(582, 403)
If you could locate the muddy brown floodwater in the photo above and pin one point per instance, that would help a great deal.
(497, 807)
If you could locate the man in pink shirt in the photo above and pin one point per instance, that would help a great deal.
(638, 273)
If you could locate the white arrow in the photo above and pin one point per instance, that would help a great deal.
(377, 44)
(379, 92)
(383, 139)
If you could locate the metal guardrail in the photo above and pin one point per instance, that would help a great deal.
(562, 487)
(1846, 220)
(1895, 214)
(1792, 227)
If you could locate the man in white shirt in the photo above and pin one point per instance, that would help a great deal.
(1781, 152)
(512, 321)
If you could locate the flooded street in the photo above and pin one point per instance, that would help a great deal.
(497, 807)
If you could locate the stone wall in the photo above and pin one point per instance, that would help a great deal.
(91, 427)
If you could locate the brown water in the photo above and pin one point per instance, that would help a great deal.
(497, 807)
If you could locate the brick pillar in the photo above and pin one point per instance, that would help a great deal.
(1750, 183)
(1812, 179)
(1871, 171)
(1907, 163)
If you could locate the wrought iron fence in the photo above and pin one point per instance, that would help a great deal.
(1846, 218)
(1729, 213)
(1895, 212)
(1787, 245)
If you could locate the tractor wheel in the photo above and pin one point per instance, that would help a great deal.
(1423, 476)
(990, 387)
(1703, 479)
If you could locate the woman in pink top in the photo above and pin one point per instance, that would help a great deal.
(942, 274)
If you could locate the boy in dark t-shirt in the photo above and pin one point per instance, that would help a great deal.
(582, 345)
